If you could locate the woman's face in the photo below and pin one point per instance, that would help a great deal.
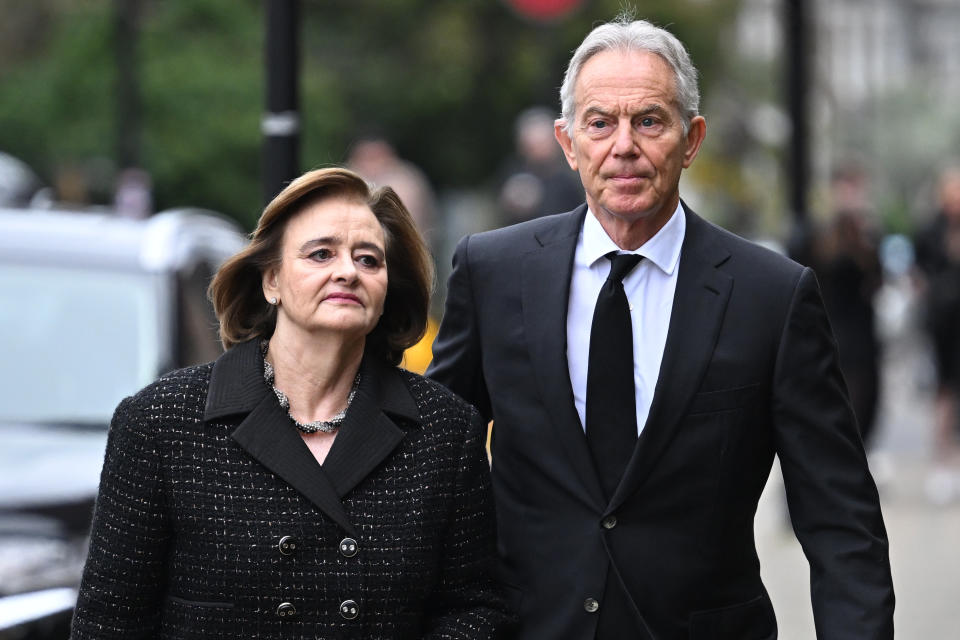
(332, 277)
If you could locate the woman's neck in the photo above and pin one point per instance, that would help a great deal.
(315, 373)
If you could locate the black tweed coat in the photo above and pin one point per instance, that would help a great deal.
(215, 521)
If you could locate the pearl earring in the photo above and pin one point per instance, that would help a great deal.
(273, 300)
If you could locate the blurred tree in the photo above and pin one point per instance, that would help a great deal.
(442, 79)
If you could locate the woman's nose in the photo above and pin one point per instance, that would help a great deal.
(345, 269)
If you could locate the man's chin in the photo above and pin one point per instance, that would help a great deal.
(630, 210)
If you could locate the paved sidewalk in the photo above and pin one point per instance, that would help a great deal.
(924, 537)
(924, 553)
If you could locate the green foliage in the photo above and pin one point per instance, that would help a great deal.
(443, 79)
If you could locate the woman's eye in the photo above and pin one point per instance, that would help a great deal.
(369, 261)
(321, 254)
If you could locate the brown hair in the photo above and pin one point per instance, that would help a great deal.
(236, 289)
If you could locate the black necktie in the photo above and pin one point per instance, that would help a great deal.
(611, 404)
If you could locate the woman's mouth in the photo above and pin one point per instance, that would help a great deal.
(347, 298)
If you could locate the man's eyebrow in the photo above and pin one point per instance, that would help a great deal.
(597, 111)
(656, 108)
(653, 108)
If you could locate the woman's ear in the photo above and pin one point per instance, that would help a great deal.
(269, 283)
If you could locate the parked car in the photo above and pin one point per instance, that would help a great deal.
(92, 308)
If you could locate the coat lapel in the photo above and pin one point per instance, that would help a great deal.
(699, 303)
(367, 436)
(267, 435)
(545, 290)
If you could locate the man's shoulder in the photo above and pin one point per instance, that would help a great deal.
(756, 256)
(534, 232)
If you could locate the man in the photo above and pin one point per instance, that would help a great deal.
(649, 534)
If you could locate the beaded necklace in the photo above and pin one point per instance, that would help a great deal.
(324, 426)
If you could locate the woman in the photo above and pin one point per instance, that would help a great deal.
(301, 486)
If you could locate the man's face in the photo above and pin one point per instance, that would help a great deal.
(627, 140)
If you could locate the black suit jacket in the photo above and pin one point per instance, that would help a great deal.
(214, 518)
(749, 370)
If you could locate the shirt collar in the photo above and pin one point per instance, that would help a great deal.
(663, 249)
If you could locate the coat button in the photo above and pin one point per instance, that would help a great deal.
(348, 547)
(349, 609)
(286, 610)
(609, 522)
(287, 545)
(590, 605)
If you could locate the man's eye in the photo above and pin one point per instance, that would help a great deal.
(599, 124)
(647, 122)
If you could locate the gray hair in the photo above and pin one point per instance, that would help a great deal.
(624, 34)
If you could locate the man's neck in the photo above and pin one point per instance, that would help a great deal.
(631, 233)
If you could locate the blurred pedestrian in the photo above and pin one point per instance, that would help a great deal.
(848, 266)
(642, 368)
(537, 180)
(938, 258)
(376, 160)
(300, 486)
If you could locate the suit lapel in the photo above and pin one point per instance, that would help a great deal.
(545, 289)
(699, 303)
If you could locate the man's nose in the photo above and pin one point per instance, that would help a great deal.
(624, 143)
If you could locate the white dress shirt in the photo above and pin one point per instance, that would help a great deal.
(649, 288)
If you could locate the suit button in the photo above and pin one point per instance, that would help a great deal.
(591, 605)
(609, 522)
(287, 545)
(286, 610)
(349, 609)
(348, 547)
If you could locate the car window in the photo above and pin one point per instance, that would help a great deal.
(77, 340)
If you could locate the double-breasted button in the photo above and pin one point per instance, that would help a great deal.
(591, 605)
(349, 609)
(348, 547)
(287, 545)
(286, 610)
(609, 522)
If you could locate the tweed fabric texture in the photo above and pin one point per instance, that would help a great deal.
(186, 531)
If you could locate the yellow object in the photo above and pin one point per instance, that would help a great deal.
(417, 358)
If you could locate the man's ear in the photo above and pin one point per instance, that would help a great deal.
(560, 133)
(695, 135)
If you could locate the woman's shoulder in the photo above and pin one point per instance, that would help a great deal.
(432, 397)
(181, 391)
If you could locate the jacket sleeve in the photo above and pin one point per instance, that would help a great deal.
(122, 585)
(467, 602)
(457, 362)
(832, 498)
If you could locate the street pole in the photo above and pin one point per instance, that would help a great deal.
(281, 122)
(797, 53)
(126, 30)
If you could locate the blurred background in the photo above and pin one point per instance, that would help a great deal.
(140, 139)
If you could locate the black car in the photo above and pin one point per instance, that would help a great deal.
(92, 308)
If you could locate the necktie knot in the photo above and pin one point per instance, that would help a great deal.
(621, 264)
